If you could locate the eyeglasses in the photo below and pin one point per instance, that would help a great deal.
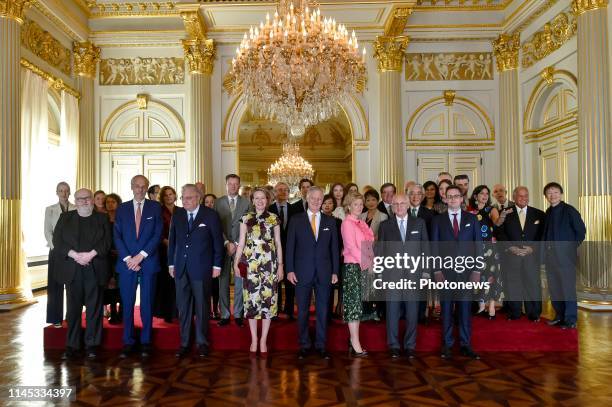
(453, 197)
(188, 198)
(81, 199)
(399, 204)
(415, 194)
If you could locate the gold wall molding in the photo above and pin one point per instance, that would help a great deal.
(558, 75)
(132, 9)
(142, 71)
(42, 44)
(582, 6)
(396, 22)
(390, 52)
(55, 82)
(200, 55)
(449, 66)
(462, 5)
(86, 57)
(449, 97)
(548, 75)
(37, 4)
(506, 48)
(142, 101)
(546, 5)
(13, 9)
(550, 38)
(193, 24)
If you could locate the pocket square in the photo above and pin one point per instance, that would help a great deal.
(202, 225)
(326, 230)
(468, 225)
(150, 217)
(414, 232)
(536, 222)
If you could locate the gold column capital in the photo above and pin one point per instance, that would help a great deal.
(86, 57)
(200, 55)
(13, 9)
(582, 6)
(390, 52)
(506, 48)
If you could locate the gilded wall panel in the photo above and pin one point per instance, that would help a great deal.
(142, 71)
(42, 44)
(449, 66)
(550, 38)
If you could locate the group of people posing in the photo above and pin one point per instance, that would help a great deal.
(104, 250)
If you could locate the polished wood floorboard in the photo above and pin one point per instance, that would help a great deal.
(232, 378)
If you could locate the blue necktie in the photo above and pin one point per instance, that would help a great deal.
(403, 230)
(190, 220)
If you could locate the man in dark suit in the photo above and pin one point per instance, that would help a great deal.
(137, 234)
(312, 262)
(564, 231)
(284, 211)
(301, 205)
(407, 235)
(521, 265)
(231, 208)
(387, 191)
(456, 233)
(82, 240)
(195, 257)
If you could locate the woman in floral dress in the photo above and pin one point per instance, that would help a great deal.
(260, 250)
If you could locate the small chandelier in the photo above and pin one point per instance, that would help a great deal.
(298, 67)
(290, 167)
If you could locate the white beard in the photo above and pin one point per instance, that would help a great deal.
(85, 211)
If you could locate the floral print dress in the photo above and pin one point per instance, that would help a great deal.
(260, 285)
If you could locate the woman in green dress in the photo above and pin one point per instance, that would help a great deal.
(260, 252)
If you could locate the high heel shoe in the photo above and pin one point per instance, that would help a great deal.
(355, 354)
(491, 317)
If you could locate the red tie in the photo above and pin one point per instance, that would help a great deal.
(455, 226)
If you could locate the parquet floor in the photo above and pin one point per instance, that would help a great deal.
(232, 378)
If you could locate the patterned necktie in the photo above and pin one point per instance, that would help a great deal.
(138, 218)
(522, 215)
(455, 226)
(190, 220)
(232, 205)
(403, 230)
(313, 225)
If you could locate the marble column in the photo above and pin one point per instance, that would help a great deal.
(200, 54)
(506, 48)
(595, 149)
(86, 57)
(390, 54)
(12, 262)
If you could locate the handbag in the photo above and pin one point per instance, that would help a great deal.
(243, 266)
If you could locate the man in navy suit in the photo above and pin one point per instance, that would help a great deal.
(137, 234)
(564, 231)
(195, 257)
(301, 205)
(450, 229)
(312, 263)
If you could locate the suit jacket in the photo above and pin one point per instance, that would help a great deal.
(377, 219)
(198, 250)
(298, 207)
(383, 208)
(463, 245)
(566, 230)
(231, 224)
(289, 213)
(52, 215)
(427, 215)
(511, 230)
(148, 240)
(390, 238)
(67, 236)
(312, 260)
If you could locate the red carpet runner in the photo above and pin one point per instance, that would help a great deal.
(498, 335)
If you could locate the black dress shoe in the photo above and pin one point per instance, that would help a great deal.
(223, 322)
(91, 353)
(394, 353)
(467, 351)
(512, 318)
(126, 351)
(302, 353)
(203, 351)
(410, 354)
(146, 350)
(239, 322)
(568, 325)
(291, 317)
(114, 321)
(555, 321)
(446, 353)
(323, 354)
(70, 353)
(182, 352)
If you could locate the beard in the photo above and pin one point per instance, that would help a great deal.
(85, 211)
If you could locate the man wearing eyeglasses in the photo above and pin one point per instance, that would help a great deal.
(450, 230)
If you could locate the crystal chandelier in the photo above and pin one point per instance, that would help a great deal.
(297, 67)
(290, 167)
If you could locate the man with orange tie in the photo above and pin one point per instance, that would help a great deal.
(138, 230)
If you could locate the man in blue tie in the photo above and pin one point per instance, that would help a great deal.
(137, 235)
(195, 257)
(449, 230)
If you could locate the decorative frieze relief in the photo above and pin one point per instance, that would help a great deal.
(550, 38)
(42, 44)
(142, 71)
(449, 66)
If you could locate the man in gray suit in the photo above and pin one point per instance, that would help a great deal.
(231, 208)
(55, 289)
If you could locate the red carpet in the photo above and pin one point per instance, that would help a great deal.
(498, 335)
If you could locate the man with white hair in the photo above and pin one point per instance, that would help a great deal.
(82, 241)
